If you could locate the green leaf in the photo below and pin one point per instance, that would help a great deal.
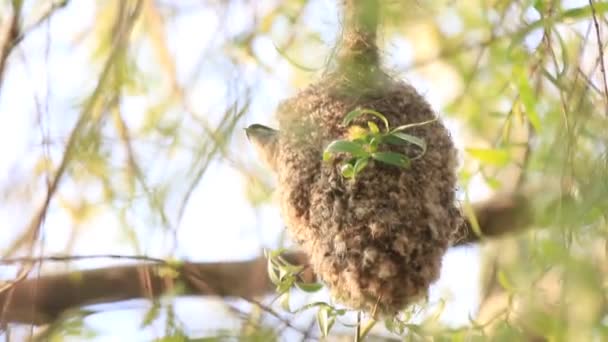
(275, 253)
(493, 182)
(360, 164)
(404, 127)
(272, 273)
(373, 144)
(392, 158)
(285, 285)
(394, 325)
(528, 97)
(313, 305)
(346, 146)
(504, 281)
(411, 139)
(469, 213)
(151, 315)
(492, 156)
(373, 127)
(359, 112)
(347, 171)
(325, 320)
(284, 301)
(283, 273)
(309, 287)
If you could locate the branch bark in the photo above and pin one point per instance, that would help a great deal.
(500, 215)
(42, 300)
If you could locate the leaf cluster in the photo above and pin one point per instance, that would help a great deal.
(363, 144)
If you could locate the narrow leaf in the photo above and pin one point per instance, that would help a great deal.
(373, 144)
(504, 281)
(323, 321)
(151, 315)
(404, 127)
(392, 158)
(312, 305)
(360, 164)
(346, 146)
(373, 127)
(272, 274)
(528, 97)
(284, 301)
(469, 213)
(411, 139)
(359, 112)
(309, 287)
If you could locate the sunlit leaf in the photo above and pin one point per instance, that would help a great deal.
(528, 97)
(325, 320)
(356, 132)
(347, 171)
(284, 301)
(373, 127)
(491, 156)
(360, 164)
(151, 315)
(469, 213)
(504, 281)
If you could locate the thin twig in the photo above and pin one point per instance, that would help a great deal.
(12, 33)
(33, 228)
(358, 329)
(63, 258)
(601, 51)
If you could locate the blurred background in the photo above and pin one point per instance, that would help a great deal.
(121, 133)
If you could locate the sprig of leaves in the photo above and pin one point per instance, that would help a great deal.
(363, 143)
(285, 276)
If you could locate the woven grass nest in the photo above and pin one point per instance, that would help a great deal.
(377, 240)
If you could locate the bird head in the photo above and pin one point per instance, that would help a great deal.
(265, 141)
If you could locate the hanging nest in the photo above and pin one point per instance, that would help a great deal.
(376, 240)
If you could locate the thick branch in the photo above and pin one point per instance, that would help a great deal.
(498, 216)
(41, 300)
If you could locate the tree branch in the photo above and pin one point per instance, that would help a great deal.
(41, 300)
(503, 214)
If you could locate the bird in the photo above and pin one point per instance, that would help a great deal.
(265, 140)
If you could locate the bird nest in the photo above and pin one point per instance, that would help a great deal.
(376, 240)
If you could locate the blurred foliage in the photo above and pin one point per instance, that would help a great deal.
(522, 82)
